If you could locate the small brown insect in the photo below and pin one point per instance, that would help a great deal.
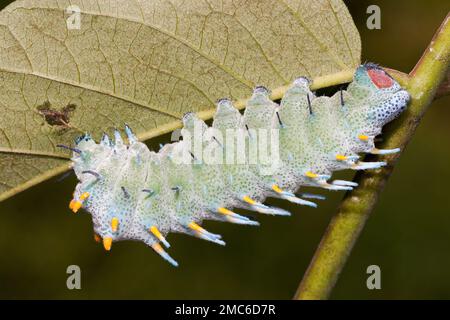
(55, 117)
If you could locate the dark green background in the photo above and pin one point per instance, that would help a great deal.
(408, 235)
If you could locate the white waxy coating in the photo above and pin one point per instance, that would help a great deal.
(145, 190)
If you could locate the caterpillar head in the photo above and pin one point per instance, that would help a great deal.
(375, 78)
(387, 97)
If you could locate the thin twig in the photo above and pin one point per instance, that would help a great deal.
(346, 225)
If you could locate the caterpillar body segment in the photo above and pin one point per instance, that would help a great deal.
(271, 150)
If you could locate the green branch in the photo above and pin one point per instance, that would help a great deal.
(346, 225)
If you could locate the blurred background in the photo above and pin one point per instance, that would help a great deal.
(408, 234)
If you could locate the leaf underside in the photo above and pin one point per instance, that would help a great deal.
(146, 63)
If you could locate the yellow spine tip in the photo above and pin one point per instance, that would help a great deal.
(341, 157)
(107, 243)
(157, 247)
(311, 175)
(71, 204)
(276, 188)
(97, 238)
(249, 200)
(224, 211)
(363, 137)
(156, 232)
(195, 227)
(84, 196)
(76, 206)
(114, 224)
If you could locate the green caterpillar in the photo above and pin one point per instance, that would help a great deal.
(133, 193)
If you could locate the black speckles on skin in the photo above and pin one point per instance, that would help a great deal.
(391, 108)
(308, 146)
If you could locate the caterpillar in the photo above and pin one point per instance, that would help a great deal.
(133, 193)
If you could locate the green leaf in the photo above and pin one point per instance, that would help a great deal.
(146, 63)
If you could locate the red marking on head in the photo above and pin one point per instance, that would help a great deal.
(380, 78)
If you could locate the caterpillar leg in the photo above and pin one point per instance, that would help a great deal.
(384, 151)
(235, 218)
(312, 196)
(344, 183)
(335, 187)
(361, 165)
(204, 234)
(159, 250)
(320, 180)
(279, 193)
(154, 230)
(262, 208)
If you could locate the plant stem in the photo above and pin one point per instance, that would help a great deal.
(346, 225)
